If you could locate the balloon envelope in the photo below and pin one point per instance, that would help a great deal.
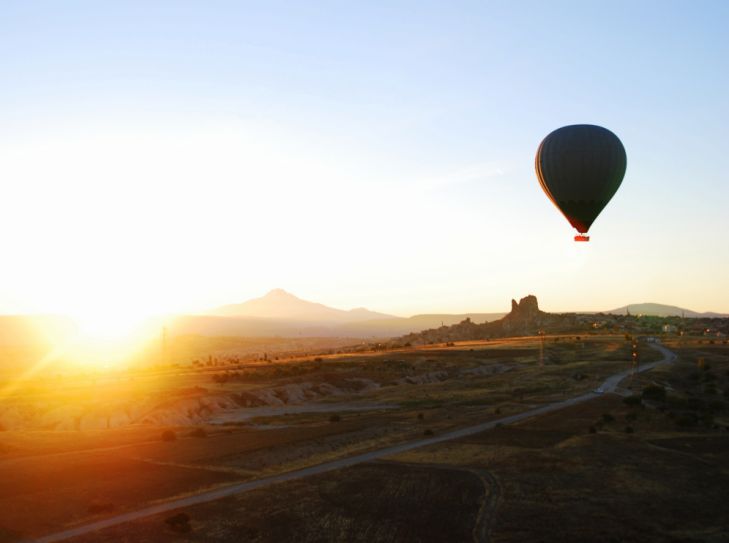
(580, 167)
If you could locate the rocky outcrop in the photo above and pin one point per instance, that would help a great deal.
(525, 316)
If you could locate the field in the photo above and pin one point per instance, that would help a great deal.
(604, 470)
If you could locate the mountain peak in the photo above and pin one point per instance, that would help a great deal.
(278, 293)
(279, 304)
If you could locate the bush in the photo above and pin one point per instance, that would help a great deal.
(632, 401)
(199, 432)
(169, 435)
(421, 416)
(629, 430)
(179, 523)
(655, 393)
(686, 419)
(607, 417)
(631, 415)
(335, 418)
(695, 403)
(593, 430)
(428, 432)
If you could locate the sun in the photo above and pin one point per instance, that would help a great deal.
(106, 339)
(107, 326)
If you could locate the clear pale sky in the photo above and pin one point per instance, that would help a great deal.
(174, 156)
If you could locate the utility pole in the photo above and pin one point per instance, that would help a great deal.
(634, 362)
(541, 348)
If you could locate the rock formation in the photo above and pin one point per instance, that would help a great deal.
(524, 316)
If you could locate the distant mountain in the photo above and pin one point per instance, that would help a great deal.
(279, 304)
(661, 310)
(280, 313)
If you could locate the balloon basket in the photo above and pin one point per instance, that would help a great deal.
(582, 237)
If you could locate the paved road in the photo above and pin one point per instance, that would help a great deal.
(609, 385)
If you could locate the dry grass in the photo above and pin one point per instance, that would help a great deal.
(547, 466)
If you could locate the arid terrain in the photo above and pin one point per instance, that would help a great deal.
(649, 468)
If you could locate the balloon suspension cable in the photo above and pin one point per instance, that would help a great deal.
(582, 237)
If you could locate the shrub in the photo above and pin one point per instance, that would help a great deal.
(335, 418)
(695, 403)
(428, 432)
(593, 430)
(607, 417)
(179, 522)
(421, 416)
(632, 401)
(655, 393)
(168, 435)
(707, 419)
(631, 416)
(686, 419)
(629, 430)
(199, 432)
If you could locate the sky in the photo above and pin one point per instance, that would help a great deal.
(162, 157)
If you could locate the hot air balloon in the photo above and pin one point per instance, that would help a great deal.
(580, 167)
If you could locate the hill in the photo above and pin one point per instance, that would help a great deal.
(661, 310)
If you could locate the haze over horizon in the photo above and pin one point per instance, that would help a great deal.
(277, 304)
(169, 158)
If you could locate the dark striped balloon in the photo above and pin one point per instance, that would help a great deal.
(580, 168)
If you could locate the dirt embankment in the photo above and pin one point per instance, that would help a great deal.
(198, 405)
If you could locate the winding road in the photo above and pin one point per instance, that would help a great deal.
(609, 385)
